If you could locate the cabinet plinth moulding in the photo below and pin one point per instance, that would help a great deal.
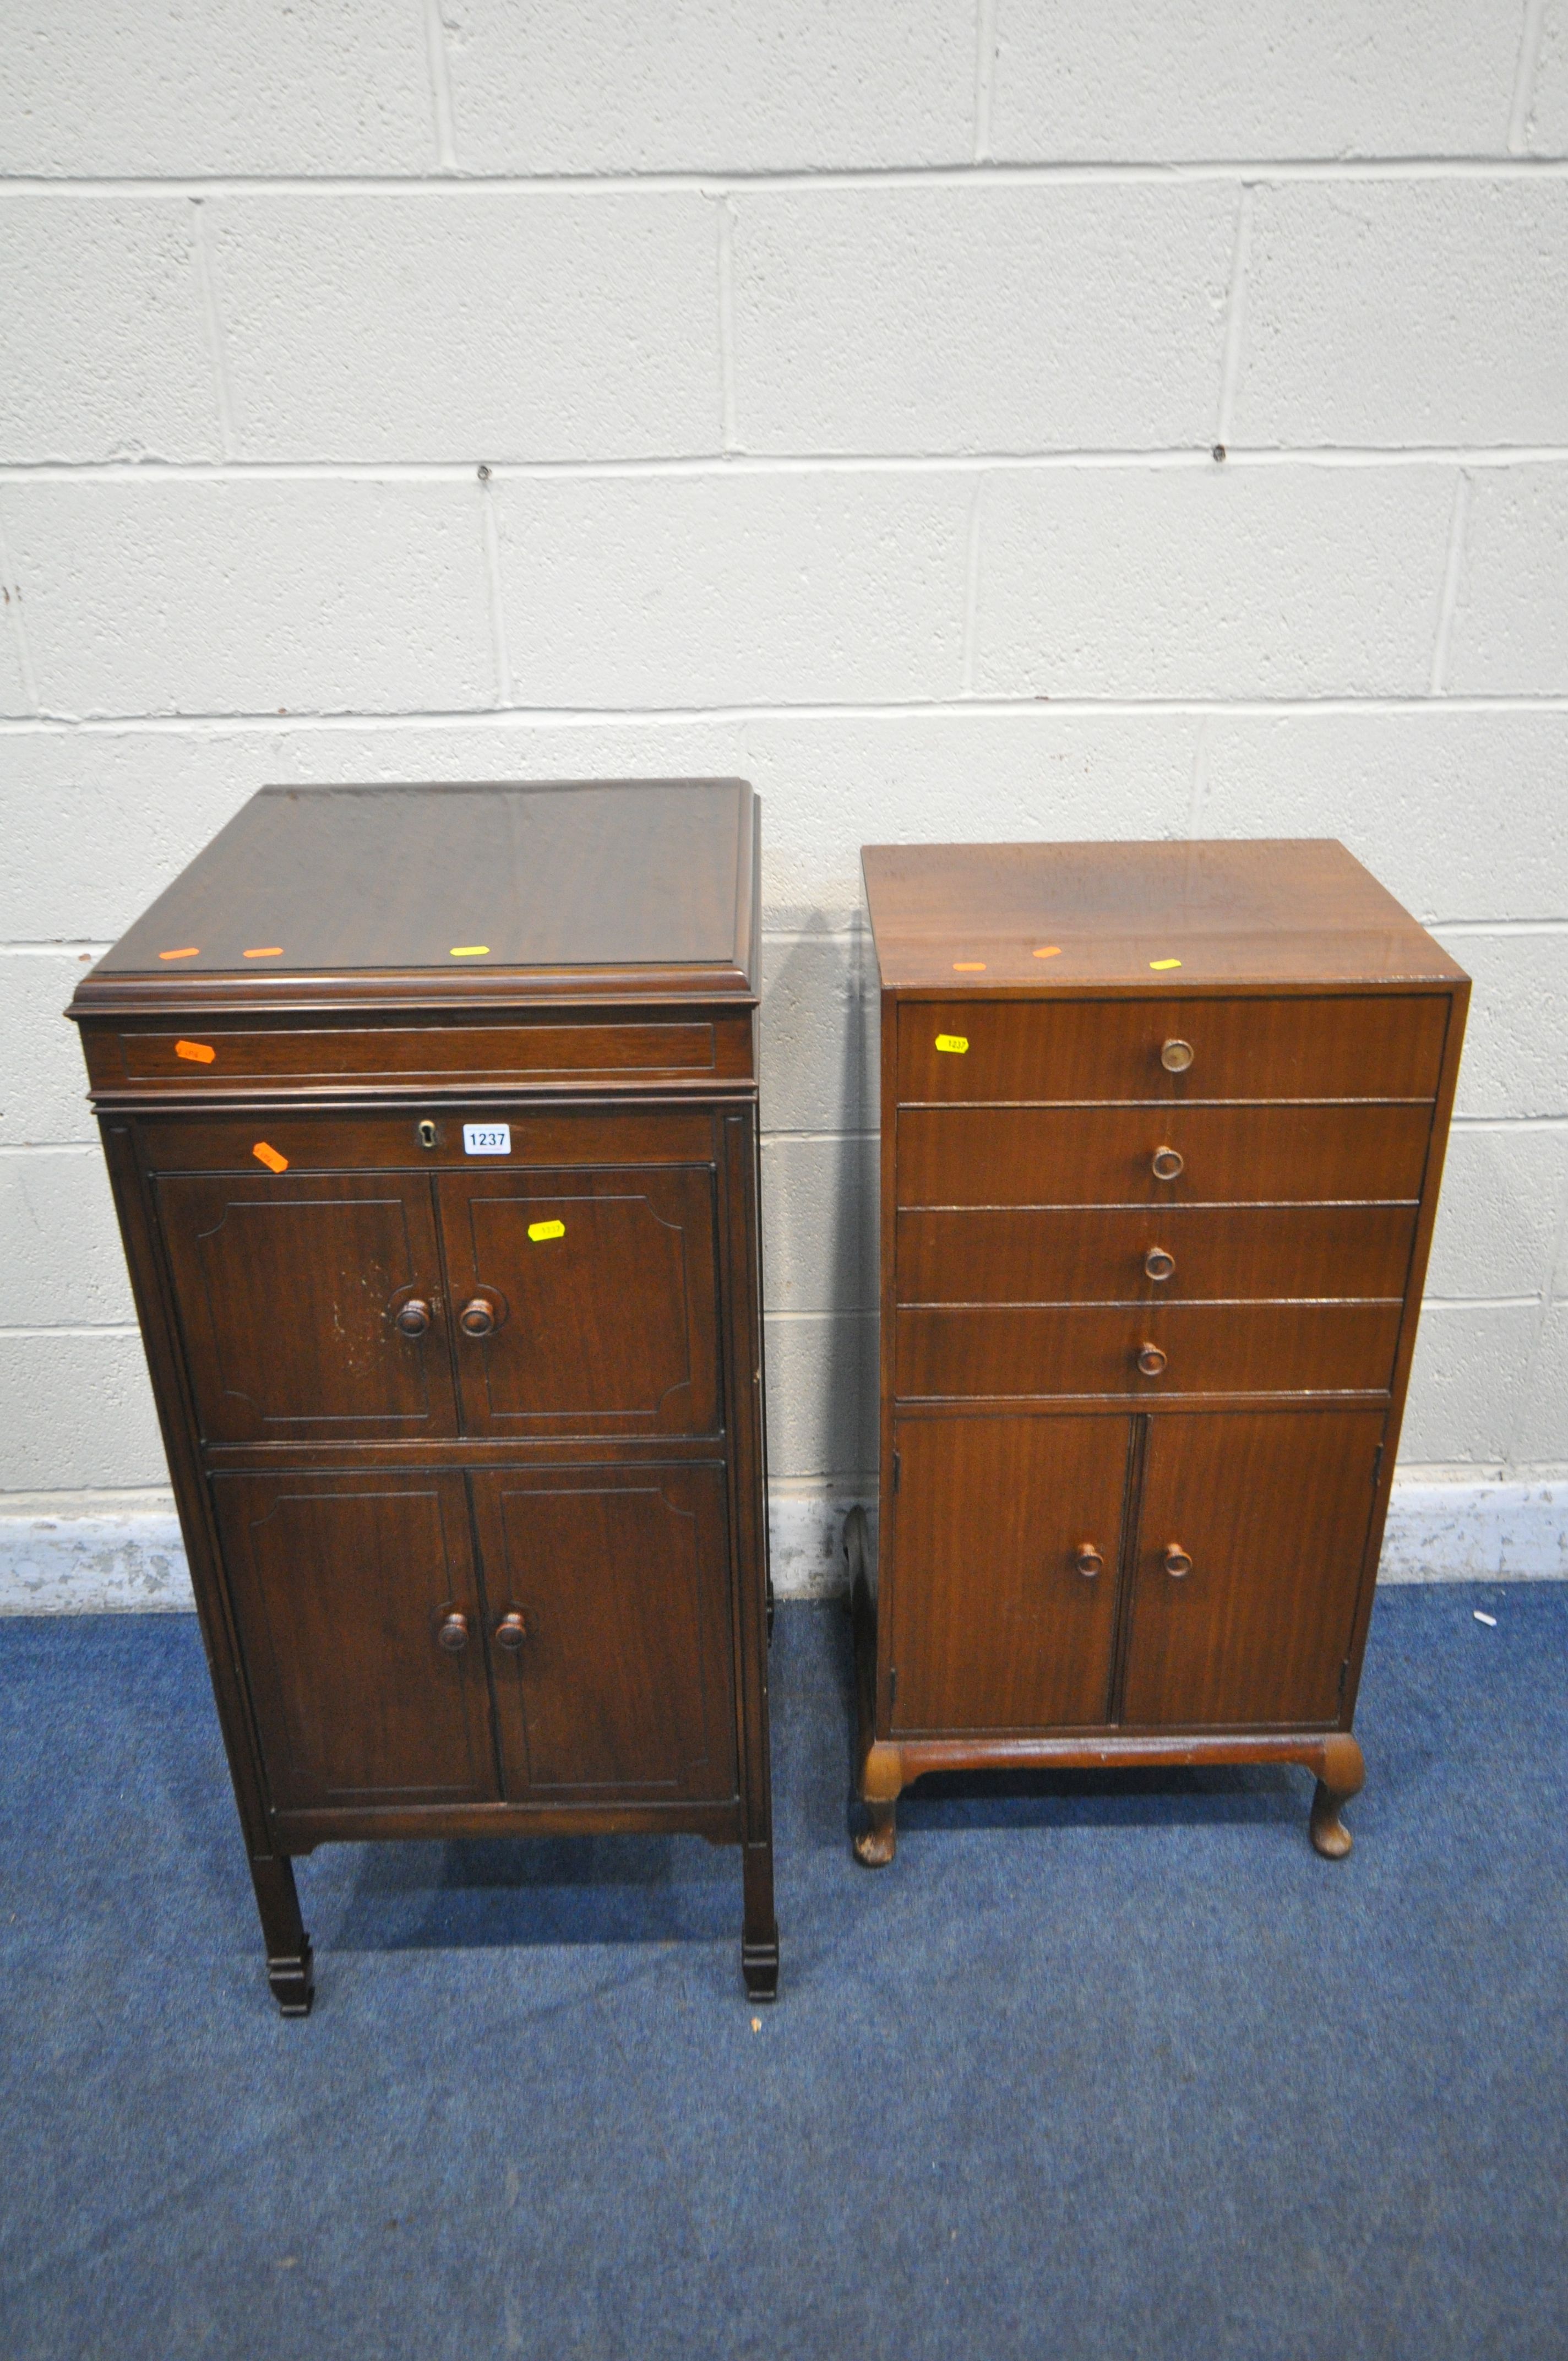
(1162, 1133)
(430, 1115)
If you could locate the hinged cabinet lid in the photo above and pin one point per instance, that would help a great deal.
(631, 889)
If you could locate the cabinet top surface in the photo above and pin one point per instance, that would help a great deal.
(595, 887)
(1058, 917)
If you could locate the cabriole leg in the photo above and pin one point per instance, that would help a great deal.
(289, 1969)
(874, 1846)
(1344, 1774)
(760, 1932)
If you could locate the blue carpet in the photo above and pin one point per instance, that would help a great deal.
(1101, 2067)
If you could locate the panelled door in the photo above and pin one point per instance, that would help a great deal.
(361, 1629)
(311, 1305)
(584, 1302)
(1003, 1596)
(1250, 1545)
(608, 1613)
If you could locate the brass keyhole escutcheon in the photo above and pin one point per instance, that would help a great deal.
(1151, 1360)
(1168, 1164)
(1088, 1561)
(1176, 1562)
(1159, 1264)
(1176, 1056)
(454, 1634)
(511, 1631)
(427, 1134)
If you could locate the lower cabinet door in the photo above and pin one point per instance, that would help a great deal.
(608, 1594)
(360, 1625)
(1004, 1572)
(1250, 1545)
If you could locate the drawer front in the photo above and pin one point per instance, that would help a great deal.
(195, 1057)
(1072, 1255)
(1025, 1352)
(1384, 1046)
(1085, 1156)
(379, 1142)
(584, 1302)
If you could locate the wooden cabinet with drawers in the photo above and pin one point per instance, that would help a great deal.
(1162, 1130)
(432, 1119)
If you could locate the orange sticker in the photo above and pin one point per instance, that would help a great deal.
(1160, 965)
(198, 1052)
(273, 950)
(193, 951)
(969, 967)
(270, 1156)
(1051, 950)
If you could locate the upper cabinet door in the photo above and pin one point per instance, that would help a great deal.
(1004, 1581)
(1250, 1547)
(311, 1306)
(360, 1626)
(609, 1602)
(584, 1302)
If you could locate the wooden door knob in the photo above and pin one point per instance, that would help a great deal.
(1176, 1561)
(511, 1631)
(1176, 1056)
(412, 1318)
(479, 1318)
(1151, 1360)
(1088, 1562)
(1168, 1163)
(1159, 1264)
(454, 1634)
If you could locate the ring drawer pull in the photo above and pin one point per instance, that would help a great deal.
(1151, 1360)
(1176, 1056)
(1159, 1264)
(511, 1631)
(481, 1318)
(1176, 1561)
(454, 1634)
(412, 1318)
(1088, 1561)
(1168, 1163)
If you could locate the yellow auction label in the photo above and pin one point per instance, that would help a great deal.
(537, 1230)
(955, 1042)
(1161, 966)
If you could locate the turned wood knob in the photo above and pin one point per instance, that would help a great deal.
(1168, 1163)
(1151, 1360)
(479, 1318)
(454, 1634)
(413, 1317)
(1089, 1561)
(1159, 1264)
(1176, 1056)
(1176, 1561)
(511, 1631)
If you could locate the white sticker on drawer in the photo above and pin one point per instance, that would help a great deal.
(487, 1139)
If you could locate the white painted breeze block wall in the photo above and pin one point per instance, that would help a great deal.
(849, 377)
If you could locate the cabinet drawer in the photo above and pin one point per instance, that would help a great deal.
(219, 1057)
(1071, 1255)
(1086, 1156)
(1383, 1047)
(379, 1142)
(1040, 1349)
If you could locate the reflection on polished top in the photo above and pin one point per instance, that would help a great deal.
(544, 889)
(1006, 918)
